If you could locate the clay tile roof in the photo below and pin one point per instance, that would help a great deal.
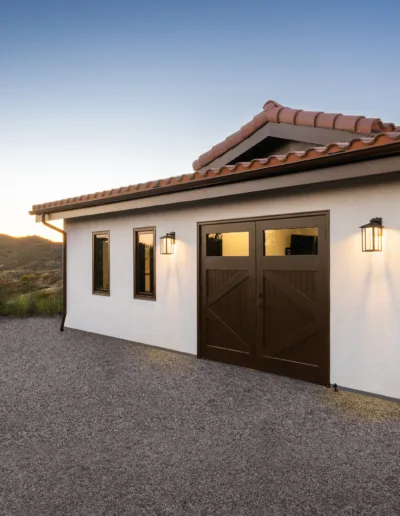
(275, 112)
(269, 164)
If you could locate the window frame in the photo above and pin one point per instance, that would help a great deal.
(136, 232)
(102, 292)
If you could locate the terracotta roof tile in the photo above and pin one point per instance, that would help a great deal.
(348, 123)
(275, 112)
(287, 116)
(388, 138)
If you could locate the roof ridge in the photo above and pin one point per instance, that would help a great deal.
(277, 113)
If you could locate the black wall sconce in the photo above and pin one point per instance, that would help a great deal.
(371, 235)
(167, 243)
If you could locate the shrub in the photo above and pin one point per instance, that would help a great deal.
(48, 305)
(32, 304)
(18, 306)
(27, 277)
(46, 292)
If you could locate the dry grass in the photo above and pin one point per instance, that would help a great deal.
(30, 293)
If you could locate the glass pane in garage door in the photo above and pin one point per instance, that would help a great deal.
(228, 244)
(291, 241)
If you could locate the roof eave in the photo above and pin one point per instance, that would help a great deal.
(329, 160)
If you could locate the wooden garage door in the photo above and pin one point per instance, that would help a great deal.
(228, 317)
(264, 295)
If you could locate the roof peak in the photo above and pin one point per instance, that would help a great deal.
(279, 114)
(270, 104)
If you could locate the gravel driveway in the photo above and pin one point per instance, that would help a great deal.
(92, 425)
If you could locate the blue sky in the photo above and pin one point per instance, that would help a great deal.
(106, 93)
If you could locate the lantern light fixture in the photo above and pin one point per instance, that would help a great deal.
(167, 243)
(371, 235)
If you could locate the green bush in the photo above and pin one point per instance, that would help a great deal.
(50, 305)
(27, 277)
(35, 303)
(45, 293)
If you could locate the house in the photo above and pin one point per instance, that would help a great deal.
(256, 258)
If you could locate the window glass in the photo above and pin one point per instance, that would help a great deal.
(291, 241)
(228, 244)
(144, 263)
(101, 263)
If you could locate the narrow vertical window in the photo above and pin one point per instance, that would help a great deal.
(101, 263)
(144, 263)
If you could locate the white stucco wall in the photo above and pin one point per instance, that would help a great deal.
(365, 287)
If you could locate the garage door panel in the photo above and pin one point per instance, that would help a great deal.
(302, 281)
(278, 289)
(298, 345)
(309, 373)
(228, 356)
(292, 322)
(228, 290)
(220, 334)
(221, 282)
(304, 351)
(230, 307)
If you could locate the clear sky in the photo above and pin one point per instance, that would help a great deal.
(96, 94)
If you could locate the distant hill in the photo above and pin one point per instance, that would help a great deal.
(29, 253)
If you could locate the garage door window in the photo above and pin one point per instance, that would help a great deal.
(290, 241)
(228, 244)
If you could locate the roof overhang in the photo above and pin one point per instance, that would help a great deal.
(332, 168)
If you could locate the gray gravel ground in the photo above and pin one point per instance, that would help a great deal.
(97, 426)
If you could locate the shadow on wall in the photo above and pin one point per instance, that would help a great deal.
(171, 265)
(365, 303)
(179, 287)
(377, 306)
(391, 247)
